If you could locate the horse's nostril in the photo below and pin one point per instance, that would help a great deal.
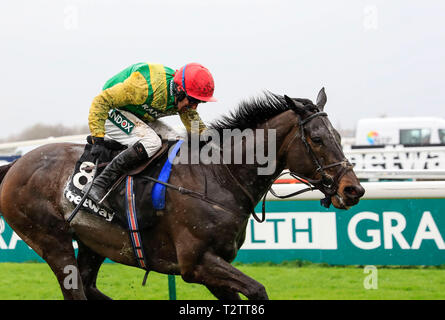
(354, 191)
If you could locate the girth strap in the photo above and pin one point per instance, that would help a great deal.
(135, 235)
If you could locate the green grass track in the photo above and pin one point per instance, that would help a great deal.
(289, 281)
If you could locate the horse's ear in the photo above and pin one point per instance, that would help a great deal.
(295, 105)
(321, 99)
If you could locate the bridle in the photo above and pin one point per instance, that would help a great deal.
(326, 184)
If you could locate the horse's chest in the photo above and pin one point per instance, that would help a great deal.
(229, 243)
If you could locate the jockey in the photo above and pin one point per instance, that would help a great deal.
(137, 97)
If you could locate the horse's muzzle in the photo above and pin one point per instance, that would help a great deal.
(348, 196)
(352, 194)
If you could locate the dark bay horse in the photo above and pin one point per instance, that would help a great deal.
(192, 238)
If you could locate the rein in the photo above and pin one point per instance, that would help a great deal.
(182, 190)
(326, 184)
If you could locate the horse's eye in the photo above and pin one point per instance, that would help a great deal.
(317, 140)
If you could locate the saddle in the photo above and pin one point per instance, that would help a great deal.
(84, 172)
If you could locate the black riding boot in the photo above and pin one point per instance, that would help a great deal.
(123, 163)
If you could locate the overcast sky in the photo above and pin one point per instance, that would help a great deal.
(373, 57)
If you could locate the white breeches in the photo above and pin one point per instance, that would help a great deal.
(147, 135)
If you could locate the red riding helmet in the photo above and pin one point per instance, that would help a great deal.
(196, 81)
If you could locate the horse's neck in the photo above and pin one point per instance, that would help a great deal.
(254, 180)
(253, 185)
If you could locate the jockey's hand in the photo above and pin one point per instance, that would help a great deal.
(98, 147)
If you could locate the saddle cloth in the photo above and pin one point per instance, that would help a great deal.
(84, 173)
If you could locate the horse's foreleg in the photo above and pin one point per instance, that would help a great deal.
(89, 264)
(62, 261)
(223, 294)
(224, 279)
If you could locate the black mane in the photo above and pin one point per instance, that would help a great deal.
(250, 114)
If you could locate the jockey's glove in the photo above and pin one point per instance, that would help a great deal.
(98, 147)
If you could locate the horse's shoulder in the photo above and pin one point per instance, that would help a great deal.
(56, 153)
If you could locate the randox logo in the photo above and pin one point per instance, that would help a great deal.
(121, 121)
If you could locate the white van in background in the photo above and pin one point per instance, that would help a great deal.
(400, 131)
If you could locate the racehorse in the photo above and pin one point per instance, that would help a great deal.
(194, 238)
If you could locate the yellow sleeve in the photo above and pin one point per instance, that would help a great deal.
(191, 115)
(133, 91)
